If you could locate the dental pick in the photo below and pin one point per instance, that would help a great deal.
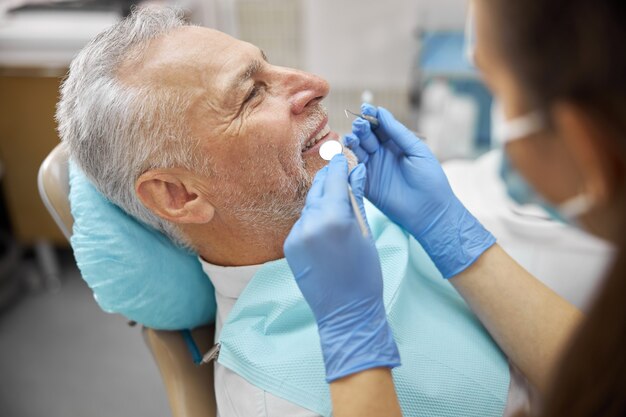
(373, 121)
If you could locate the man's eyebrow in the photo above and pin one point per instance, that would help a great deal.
(248, 72)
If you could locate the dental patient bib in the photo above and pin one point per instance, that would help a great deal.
(450, 364)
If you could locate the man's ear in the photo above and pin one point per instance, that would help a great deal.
(593, 148)
(171, 195)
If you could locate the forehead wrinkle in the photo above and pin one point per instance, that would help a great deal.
(181, 55)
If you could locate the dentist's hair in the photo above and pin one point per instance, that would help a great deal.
(573, 51)
(116, 131)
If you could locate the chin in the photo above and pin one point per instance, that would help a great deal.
(312, 165)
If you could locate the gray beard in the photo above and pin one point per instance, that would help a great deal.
(270, 216)
(274, 213)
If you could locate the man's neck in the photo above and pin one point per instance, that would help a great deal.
(233, 247)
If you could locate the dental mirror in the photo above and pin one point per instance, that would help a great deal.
(329, 149)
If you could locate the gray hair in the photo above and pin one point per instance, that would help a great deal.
(114, 131)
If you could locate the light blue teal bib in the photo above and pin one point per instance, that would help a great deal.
(450, 364)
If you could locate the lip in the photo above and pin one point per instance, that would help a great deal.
(323, 123)
(316, 148)
(319, 128)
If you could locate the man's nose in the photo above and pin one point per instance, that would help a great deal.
(305, 90)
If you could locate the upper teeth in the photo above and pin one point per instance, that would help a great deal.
(325, 131)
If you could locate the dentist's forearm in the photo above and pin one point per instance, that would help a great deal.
(369, 393)
(530, 322)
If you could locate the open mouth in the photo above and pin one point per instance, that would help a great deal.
(315, 139)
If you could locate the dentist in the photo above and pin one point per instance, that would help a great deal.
(558, 68)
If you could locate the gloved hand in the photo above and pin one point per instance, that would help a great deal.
(407, 183)
(339, 274)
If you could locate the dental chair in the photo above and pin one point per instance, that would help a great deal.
(189, 388)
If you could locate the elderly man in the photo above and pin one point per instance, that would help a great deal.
(196, 134)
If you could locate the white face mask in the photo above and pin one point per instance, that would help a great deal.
(470, 36)
(517, 187)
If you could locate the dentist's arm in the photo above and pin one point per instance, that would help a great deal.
(530, 323)
(369, 393)
(338, 271)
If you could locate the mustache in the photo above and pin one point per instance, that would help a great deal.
(316, 116)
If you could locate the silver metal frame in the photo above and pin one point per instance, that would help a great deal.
(46, 199)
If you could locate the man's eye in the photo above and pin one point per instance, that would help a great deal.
(255, 90)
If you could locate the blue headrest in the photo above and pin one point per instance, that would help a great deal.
(134, 270)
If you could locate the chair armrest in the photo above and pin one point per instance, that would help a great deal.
(190, 388)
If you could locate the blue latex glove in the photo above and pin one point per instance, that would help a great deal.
(406, 182)
(339, 274)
